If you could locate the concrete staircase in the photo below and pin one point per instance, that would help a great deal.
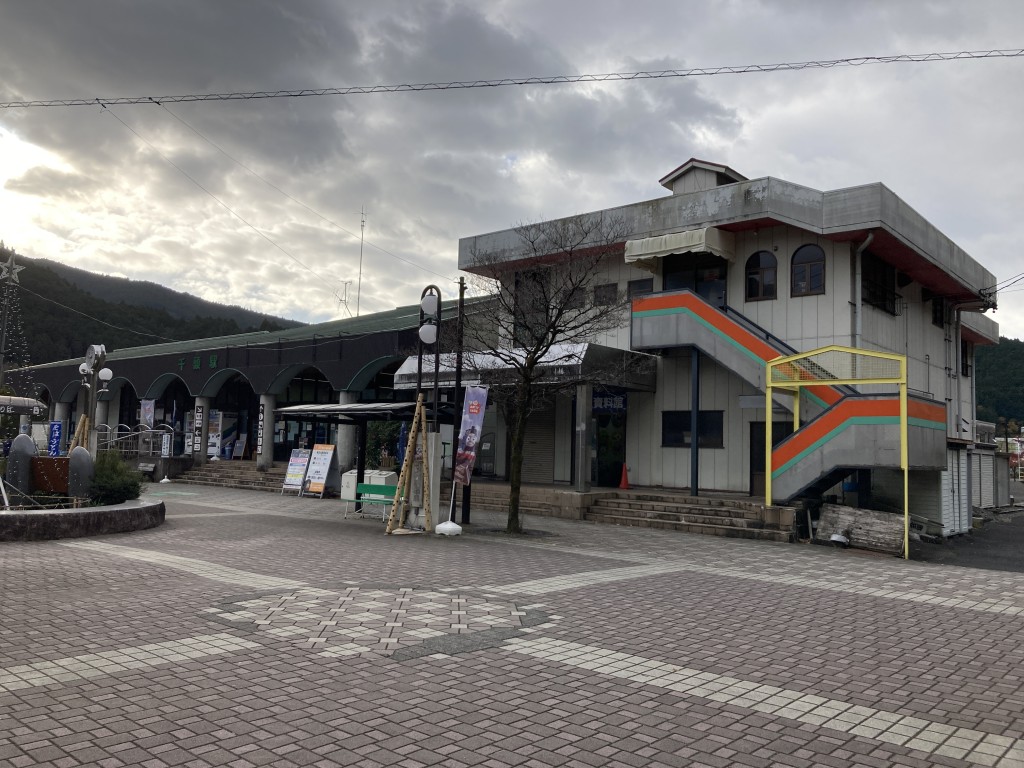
(235, 474)
(738, 518)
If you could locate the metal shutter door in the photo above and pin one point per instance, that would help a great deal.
(539, 447)
(987, 479)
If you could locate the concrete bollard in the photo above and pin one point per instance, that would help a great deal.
(80, 473)
(19, 463)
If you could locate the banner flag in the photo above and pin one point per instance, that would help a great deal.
(148, 412)
(469, 437)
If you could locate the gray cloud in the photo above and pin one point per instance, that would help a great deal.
(432, 167)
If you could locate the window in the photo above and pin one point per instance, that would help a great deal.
(966, 356)
(605, 294)
(675, 429)
(637, 287)
(532, 305)
(939, 311)
(878, 284)
(808, 271)
(761, 272)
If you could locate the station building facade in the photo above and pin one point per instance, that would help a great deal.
(727, 273)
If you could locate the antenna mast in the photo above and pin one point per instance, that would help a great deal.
(362, 228)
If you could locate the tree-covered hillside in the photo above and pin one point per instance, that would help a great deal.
(999, 382)
(60, 317)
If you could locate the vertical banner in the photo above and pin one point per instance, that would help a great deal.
(148, 413)
(56, 432)
(469, 437)
(197, 429)
(260, 422)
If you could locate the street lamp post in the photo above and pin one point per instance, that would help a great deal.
(430, 325)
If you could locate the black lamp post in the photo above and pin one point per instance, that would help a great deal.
(430, 326)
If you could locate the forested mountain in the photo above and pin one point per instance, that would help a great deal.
(999, 380)
(62, 310)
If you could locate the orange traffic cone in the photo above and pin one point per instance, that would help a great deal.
(624, 482)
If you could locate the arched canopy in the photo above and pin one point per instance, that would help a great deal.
(365, 375)
(218, 380)
(285, 376)
(160, 385)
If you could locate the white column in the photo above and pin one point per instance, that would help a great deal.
(265, 433)
(347, 435)
(584, 464)
(24, 425)
(201, 431)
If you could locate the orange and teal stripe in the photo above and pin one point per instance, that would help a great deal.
(755, 348)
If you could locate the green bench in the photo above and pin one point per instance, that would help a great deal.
(372, 493)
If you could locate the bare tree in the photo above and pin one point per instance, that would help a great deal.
(543, 312)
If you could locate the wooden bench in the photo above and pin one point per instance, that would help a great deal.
(372, 493)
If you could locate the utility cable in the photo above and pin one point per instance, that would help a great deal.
(96, 319)
(857, 61)
(273, 186)
(220, 202)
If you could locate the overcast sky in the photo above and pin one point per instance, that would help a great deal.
(78, 186)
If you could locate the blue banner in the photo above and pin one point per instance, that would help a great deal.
(56, 432)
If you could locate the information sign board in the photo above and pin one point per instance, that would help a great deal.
(321, 462)
(296, 470)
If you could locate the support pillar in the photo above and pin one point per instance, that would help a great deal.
(584, 406)
(265, 433)
(347, 435)
(201, 430)
(695, 422)
(24, 425)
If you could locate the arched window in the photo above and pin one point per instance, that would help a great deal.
(808, 271)
(761, 276)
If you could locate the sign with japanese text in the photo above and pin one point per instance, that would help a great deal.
(56, 432)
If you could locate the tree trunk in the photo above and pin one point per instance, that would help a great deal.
(515, 479)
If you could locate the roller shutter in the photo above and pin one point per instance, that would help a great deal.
(539, 447)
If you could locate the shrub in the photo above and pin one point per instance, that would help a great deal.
(114, 481)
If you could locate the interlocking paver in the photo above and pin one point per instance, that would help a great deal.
(250, 630)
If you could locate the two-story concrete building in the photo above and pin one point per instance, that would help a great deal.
(727, 273)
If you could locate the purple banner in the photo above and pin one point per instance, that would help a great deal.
(469, 438)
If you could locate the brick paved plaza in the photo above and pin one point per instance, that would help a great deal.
(256, 629)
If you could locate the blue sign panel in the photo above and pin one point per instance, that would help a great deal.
(56, 431)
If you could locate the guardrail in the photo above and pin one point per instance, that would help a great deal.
(132, 442)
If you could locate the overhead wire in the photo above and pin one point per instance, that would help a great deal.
(856, 61)
(273, 186)
(96, 319)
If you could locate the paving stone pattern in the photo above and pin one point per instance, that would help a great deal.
(255, 629)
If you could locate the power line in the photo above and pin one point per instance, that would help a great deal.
(96, 319)
(220, 202)
(857, 61)
(273, 186)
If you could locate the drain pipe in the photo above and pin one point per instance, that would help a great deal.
(858, 289)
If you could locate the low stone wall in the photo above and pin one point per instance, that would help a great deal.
(865, 528)
(43, 524)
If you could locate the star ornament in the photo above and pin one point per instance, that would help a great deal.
(10, 270)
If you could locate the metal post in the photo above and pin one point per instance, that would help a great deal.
(694, 421)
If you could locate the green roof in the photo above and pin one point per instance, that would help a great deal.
(398, 319)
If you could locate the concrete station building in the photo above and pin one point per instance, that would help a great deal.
(725, 274)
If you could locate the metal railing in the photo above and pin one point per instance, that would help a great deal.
(132, 442)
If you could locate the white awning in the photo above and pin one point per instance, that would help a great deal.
(705, 240)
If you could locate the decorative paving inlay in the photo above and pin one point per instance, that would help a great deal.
(375, 621)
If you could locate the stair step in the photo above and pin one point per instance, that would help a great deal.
(764, 534)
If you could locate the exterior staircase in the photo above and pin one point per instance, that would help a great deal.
(737, 518)
(235, 474)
